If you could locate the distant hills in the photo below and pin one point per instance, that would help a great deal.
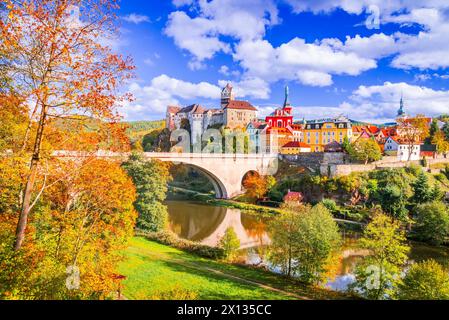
(138, 126)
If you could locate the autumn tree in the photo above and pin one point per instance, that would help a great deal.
(365, 150)
(442, 143)
(255, 185)
(13, 118)
(413, 131)
(82, 222)
(56, 51)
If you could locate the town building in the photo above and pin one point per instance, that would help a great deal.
(282, 117)
(409, 152)
(295, 148)
(319, 133)
(293, 197)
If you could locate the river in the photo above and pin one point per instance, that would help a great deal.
(206, 224)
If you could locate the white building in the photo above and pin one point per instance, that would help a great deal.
(393, 146)
(408, 152)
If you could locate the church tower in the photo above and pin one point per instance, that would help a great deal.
(227, 95)
(287, 105)
(401, 111)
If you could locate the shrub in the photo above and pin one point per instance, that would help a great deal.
(425, 281)
(175, 294)
(230, 244)
(330, 204)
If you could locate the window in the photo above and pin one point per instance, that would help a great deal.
(279, 123)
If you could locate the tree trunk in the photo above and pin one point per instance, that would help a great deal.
(26, 206)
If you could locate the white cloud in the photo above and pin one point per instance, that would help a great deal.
(224, 70)
(374, 47)
(360, 6)
(380, 103)
(198, 36)
(384, 99)
(151, 101)
(241, 20)
(249, 87)
(314, 78)
(136, 18)
(309, 63)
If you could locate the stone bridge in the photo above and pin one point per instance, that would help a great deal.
(225, 171)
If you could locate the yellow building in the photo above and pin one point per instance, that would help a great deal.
(319, 133)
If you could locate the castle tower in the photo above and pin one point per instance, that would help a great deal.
(227, 95)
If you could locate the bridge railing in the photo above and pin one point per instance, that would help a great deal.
(160, 155)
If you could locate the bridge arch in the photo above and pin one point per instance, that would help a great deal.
(220, 189)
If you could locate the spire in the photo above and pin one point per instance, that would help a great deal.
(287, 98)
(401, 111)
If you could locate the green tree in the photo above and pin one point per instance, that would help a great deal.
(379, 272)
(150, 179)
(303, 242)
(445, 130)
(436, 193)
(422, 190)
(432, 222)
(230, 244)
(365, 150)
(433, 131)
(347, 145)
(393, 191)
(424, 281)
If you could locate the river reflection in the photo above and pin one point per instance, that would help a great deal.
(207, 225)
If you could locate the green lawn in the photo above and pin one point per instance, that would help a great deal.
(153, 268)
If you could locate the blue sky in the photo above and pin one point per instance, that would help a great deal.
(338, 56)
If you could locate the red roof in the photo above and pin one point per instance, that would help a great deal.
(280, 130)
(293, 196)
(296, 144)
(240, 105)
(173, 109)
(296, 126)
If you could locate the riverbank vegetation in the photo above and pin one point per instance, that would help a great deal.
(150, 179)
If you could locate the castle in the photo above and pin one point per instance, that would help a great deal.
(233, 114)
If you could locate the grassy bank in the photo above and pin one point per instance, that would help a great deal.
(153, 268)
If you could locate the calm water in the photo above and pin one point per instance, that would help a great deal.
(207, 224)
